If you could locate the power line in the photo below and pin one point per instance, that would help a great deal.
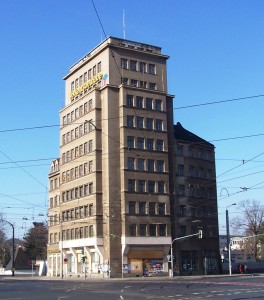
(218, 102)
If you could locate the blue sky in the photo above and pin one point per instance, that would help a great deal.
(216, 53)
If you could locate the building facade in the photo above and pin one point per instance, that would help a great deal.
(194, 205)
(111, 216)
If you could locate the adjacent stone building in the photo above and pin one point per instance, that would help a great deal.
(194, 205)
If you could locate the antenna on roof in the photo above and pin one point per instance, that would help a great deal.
(124, 25)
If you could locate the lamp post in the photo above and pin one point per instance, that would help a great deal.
(13, 246)
(228, 238)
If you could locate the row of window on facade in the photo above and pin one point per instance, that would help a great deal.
(77, 132)
(190, 260)
(78, 213)
(144, 123)
(72, 234)
(140, 66)
(55, 166)
(54, 184)
(145, 143)
(195, 172)
(194, 152)
(148, 230)
(208, 232)
(141, 102)
(149, 165)
(77, 172)
(146, 208)
(77, 113)
(78, 192)
(97, 68)
(139, 83)
(54, 201)
(143, 186)
(200, 192)
(201, 211)
(77, 152)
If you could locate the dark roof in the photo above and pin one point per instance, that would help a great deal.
(181, 134)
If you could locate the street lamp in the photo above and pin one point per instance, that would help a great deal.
(13, 246)
(200, 236)
(228, 238)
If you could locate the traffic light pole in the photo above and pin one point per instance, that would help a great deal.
(199, 233)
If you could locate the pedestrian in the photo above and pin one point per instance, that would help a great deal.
(245, 269)
(241, 269)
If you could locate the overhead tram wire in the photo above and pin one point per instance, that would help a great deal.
(219, 102)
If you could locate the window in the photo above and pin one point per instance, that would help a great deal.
(125, 81)
(130, 142)
(151, 165)
(89, 73)
(200, 153)
(182, 210)
(131, 185)
(152, 85)
(85, 77)
(129, 100)
(181, 190)
(208, 154)
(99, 67)
(133, 65)
(94, 70)
(142, 208)
(142, 229)
(152, 208)
(150, 144)
(159, 125)
(141, 186)
(149, 124)
(209, 174)
(158, 104)
(91, 231)
(130, 121)
(190, 151)
(139, 102)
(131, 163)
(124, 63)
(180, 170)
(141, 164)
(142, 67)
(81, 80)
(133, 82)
(160, 145)
(132, 207)
(90, 166)
(152, 69)
(151, 186)
(180, 150)
(72, 86)
(90, 105)
(161, 209)
(152, 229)
(162, 229)
(139, 122)
(90, 186)
(132, 230)
(90, 146)
(182, 231)
(161, 185)
(160, 166)
(140, 143)
(90, 209)
(143, 84)
(191, 171)
(149, 102)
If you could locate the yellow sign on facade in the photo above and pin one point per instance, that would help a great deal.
(86, 85)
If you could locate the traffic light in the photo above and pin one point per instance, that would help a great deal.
(200, 234)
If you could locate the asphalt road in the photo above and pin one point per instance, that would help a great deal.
(180, 288)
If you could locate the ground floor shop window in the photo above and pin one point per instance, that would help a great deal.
(189, 260)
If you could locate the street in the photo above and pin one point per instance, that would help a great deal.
(180, 288)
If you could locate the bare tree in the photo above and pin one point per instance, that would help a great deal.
(250, 223)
